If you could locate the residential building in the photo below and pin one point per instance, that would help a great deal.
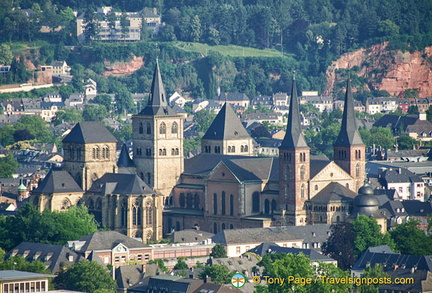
(112, 248)
(407, 184)
(60, 68)
(234, 99)
(114, 26)
(414, 125)
(12, 281)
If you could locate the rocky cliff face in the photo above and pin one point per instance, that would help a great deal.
(123, 68)
(392, 71)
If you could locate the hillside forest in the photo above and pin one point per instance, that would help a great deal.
(307, 34)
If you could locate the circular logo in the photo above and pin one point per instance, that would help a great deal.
(238, 280)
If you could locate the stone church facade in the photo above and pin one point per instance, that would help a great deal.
(224, 187)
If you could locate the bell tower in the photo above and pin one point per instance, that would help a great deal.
(157, 134)
(349, 149)
(294, 167)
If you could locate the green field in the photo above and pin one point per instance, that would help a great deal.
(230, 50)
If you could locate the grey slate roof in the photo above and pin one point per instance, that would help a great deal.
(349, 134)
(123, 184)
(8, 275)
(89, 132)
(127, 276)
(243, 167)
(57, 181)
(270, 247)
(53, 256)
(395, 175)
(107, 240)
(232, 97)
(254, 235)
(226, 125)
(294, 137)
(317, 164)
(157, 104)
(190, 235)
(334, 191)
(310, 234)
(124, 159)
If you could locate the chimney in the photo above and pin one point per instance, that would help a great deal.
(422, 116)
(399, 170)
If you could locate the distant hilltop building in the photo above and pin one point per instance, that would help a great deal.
(113, 26)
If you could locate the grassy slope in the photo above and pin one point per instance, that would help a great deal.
(231, 50)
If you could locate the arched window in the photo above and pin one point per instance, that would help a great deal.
(177, 152)
(223, 204)
(149, 128)
(287, 173)
(215, 207)
(229, 149)
(242, 148)
(78, 152)
(148, 152)
(97, 153)
(231, 226)
(134, 215)
(231, 205)
(223, 226)
(172, 152)
(214, 228)
(266, 207)
(94, 153)
(148, 178)
(246, 148)
(174, 128)
(316, 186)
(255, 202)
(357, 170)
(164, 153)
(302, 191)
(71, 153)
(141, 128)
(273, 206)
(233, 149)
(149, 216)
(196, 201)
(162, 128)
(189, 200)
(302, 173)
(182, 200)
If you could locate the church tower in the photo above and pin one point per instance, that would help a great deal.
(349, 149)
(294, 167)
(89, 152)
(226, 135)
(157, 134)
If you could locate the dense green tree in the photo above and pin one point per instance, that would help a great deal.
(410, 239)
(94, 112)
(203, 119)
(67, 115)
(181, 264)
(6, 135)
(219, 274)
(218, 251)
(378, 136)
(85, 276)
(48, 227)
(300, 266)
(19, 263)
(376, 271)
(36, 126)
(8, 166)
(368, 234)
(5, 54)
(340, 245)
(104, 100)
(406, 142)
(22, 134)
(124, 102)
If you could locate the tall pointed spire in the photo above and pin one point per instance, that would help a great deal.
(294, 135)
(349, 134)
(157, 104)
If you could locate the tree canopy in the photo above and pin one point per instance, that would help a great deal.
(410, 239)
(48, 227)
(85, 276)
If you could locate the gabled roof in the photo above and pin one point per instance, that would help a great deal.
(124, 159)
(226, 126)
(294, 137)
(334, 191)
(57, 181)
(231, 97)
(157, 104)
(317, 164)
(89, 132)
(53, 256)
(107, 240)
(243, 167)
(190, 235)
(396, 175)
(123, 184)
(271, 247)
(349, 134)
(253, 235)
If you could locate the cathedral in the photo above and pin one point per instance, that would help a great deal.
(224, 187)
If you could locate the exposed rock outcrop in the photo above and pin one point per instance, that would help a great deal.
(123, 68)
(391, 71)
